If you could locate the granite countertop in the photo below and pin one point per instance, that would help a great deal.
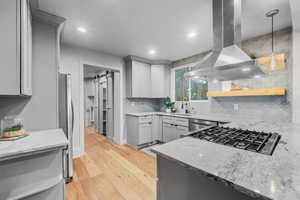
(36, 142)
(275, 177)
(208, 116)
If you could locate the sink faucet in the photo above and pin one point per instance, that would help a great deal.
(188, 107)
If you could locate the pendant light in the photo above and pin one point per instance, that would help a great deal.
(271, 15)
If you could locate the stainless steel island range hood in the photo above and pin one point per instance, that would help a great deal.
(227, 61)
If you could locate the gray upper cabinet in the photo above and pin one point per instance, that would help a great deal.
(145, 80)
(138, 79)
(15, 49)
(160, 81)
(26, 48)
(141, 79)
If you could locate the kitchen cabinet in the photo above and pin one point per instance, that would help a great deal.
(145, 133)
(139, 130)
(138, 79)
(146, 80)
(174, 127)
(146, 129)
(16, 48)
(157, 128)
(169, 132)
(173, 132)
(160, 81)
(33, 168)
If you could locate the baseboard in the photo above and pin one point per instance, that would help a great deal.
(77, 153)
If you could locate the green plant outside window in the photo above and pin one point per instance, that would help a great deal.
(181, 85)
(186, 89)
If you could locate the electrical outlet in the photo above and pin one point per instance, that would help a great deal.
(235, 107)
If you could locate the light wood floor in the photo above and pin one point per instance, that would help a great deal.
(108, 172)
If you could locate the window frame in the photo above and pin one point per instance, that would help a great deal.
(173, 91)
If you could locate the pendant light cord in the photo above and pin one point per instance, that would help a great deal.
(272, 34)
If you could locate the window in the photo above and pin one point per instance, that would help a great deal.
(181, 85)
(199, 90)
(186, 89)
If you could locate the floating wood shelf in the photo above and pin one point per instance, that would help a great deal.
(248, 92)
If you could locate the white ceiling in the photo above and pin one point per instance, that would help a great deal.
(132, 27)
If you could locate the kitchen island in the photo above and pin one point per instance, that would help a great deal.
(190, 168)
(32, 167)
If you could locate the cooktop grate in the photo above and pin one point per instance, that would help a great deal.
(255, 141)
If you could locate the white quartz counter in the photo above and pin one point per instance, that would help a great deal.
(35, 142)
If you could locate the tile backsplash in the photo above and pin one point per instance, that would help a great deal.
(143, 105)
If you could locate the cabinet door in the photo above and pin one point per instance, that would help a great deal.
(157, 128)
(141, 79)
(145, 133)
(167, 78)
(158, 81)
(160, 78)
(26, 48)
(9, 49)
(181, 130)
(169, 132)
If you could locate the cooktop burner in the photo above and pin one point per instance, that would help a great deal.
(259, 142)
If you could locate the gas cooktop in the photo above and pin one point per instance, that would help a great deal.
(259, 142)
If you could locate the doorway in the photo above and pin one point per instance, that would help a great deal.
(101, 94)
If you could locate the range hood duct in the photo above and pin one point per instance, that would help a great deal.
(226, 61)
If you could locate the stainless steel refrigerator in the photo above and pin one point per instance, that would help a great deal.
(66, 121)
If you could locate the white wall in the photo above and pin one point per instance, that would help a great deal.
(72, 59)
(296, 76)
(295, 14)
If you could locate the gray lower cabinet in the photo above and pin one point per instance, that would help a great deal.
(15, 49)
(169, 132)
(174, 127)
(157, 128)
(189, 184)
(145, 133)
(139, 130)
(33, 177)
(146, 129)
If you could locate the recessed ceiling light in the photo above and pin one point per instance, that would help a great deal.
(246, 69)
(152, 52)
(81, 30)
(257, 76)
(192, 34)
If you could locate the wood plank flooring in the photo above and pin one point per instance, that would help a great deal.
(111, 172)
